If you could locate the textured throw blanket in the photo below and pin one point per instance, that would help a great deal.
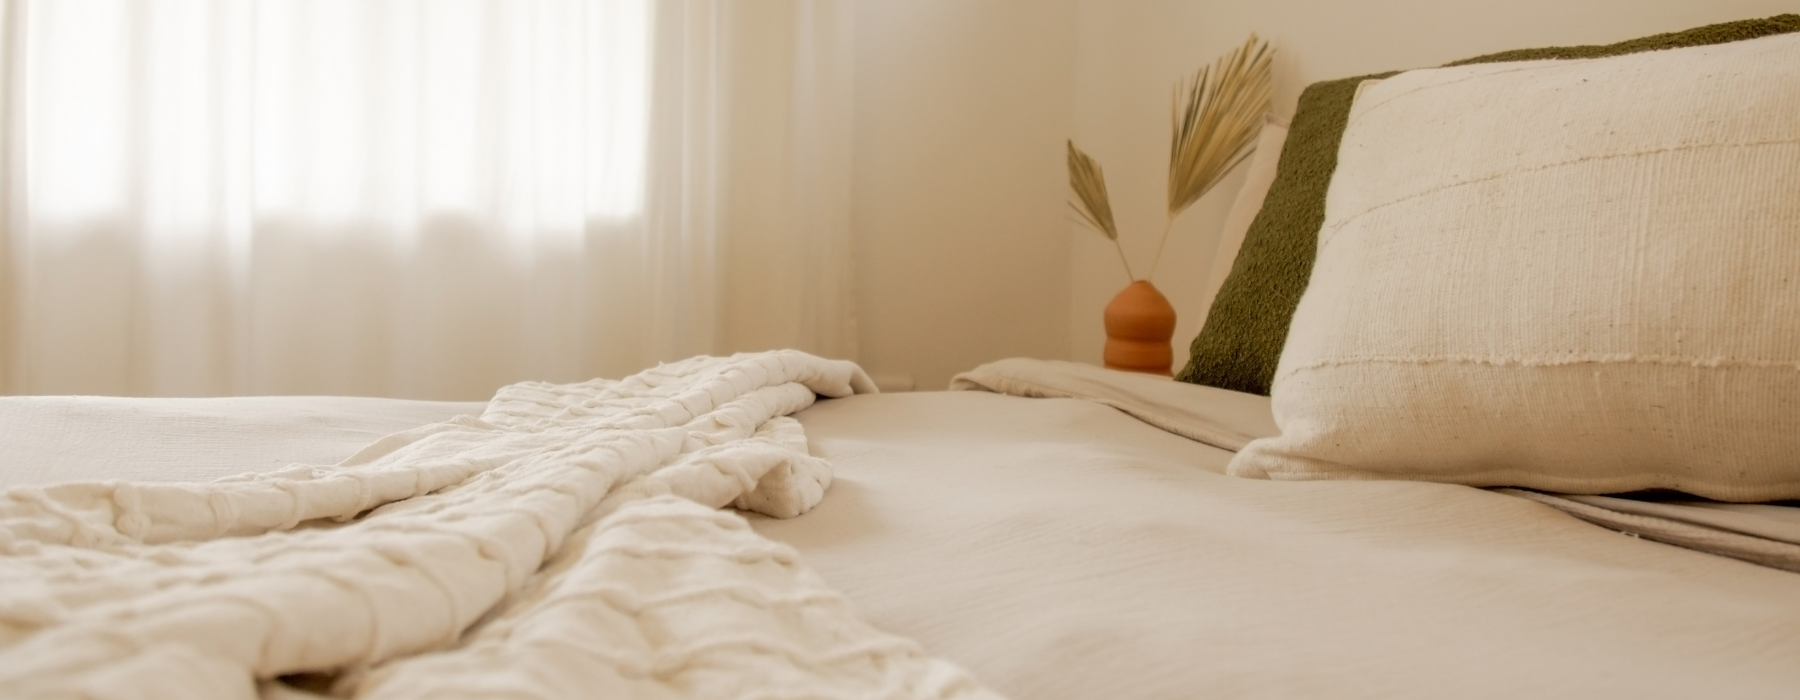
(567, 543)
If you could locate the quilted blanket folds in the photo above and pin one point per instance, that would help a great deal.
(566, 543)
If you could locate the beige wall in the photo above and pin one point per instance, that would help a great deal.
(1129, 52)
(962, 254)
(965, 252)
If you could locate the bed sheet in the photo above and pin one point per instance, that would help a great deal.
(1060, 548)
(74, 438)
(1763, 533)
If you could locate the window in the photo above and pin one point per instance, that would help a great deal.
(186, 116)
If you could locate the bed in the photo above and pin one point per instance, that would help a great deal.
(767, 525)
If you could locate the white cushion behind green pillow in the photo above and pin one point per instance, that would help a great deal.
(1578, 276)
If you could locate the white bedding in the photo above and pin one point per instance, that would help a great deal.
(1767, 534)
(79, 438)
(565, 543)
(1060, 548)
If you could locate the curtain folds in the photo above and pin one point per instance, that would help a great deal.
(415, 198)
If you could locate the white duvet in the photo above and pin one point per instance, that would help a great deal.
(565, 543)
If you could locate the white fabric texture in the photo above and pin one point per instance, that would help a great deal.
(419, 199)
(563, 543)
(96, 438)
(1768, 535)
(1062, 550)
(1570, 276)
(1258, 177)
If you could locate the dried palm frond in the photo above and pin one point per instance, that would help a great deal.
(1090, 187)
(1217, 127)
(1214, 130)
(1095, 208)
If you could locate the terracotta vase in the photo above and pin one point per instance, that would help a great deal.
(1139, 324)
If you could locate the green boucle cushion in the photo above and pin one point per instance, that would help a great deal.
(1240, 345)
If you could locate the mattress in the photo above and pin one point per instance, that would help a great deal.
(1072, 548)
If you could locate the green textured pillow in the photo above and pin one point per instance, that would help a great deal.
(1248, 324)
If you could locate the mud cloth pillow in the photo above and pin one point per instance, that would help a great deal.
(1249, 316)
(1578, 276)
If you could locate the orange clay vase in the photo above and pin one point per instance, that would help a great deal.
(1139, 324)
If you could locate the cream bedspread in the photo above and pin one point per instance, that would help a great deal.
(565, 543)
(1760, 533)
(1058, 549)
(1063, 550)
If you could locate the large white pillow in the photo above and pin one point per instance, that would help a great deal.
(1578, 276)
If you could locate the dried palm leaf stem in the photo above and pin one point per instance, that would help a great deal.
(1089, 184)
(1216, 129)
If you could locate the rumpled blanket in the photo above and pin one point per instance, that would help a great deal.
(566, 543)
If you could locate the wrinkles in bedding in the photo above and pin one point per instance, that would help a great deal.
(1765, 534)
(1768, 535)
(563, 543)
(1060, 548)
(1065, 549)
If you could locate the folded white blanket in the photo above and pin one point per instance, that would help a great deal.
(563, 544)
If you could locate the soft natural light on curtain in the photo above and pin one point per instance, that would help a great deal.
(337, 110)
(422, 198)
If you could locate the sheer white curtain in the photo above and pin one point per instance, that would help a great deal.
(421, 198)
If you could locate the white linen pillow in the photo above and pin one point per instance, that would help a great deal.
(1258, 177)
(1578, 276)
